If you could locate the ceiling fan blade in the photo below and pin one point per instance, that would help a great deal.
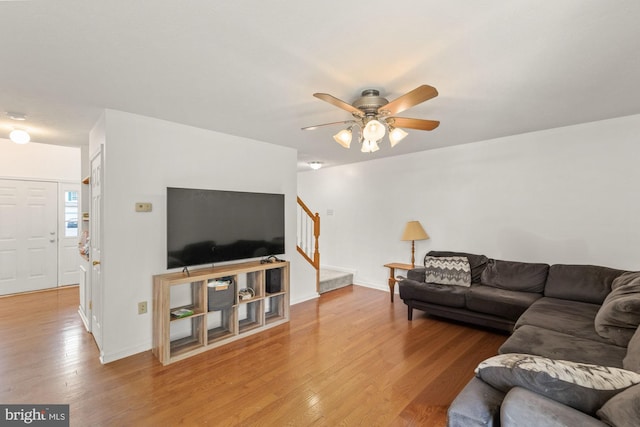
(345, 122)
(338, 103)
(403, 122)
(409, 99)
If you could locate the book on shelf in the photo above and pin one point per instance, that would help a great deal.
(182, 312)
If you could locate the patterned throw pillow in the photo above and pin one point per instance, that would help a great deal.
(452, 270)
(582, 386)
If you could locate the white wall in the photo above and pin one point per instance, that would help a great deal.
(39, 161)
(142, 157)
(566, 195)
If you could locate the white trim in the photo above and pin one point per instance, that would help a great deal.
(112, 357)
(305, 298)
(84, 319)
(373, 285)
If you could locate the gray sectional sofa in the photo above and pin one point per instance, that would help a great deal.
(573, 356)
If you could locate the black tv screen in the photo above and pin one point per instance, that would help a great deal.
(209, 226)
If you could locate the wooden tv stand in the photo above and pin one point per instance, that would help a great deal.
(220, 315)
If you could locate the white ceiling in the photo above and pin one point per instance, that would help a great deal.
(249, 68)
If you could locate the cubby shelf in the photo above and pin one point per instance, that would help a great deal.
(219, 315)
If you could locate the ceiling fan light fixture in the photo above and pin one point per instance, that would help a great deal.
(19, 136)
(315, 165)
(366, 146)
(343, 137)
(369, 146)
(396, 135)
(374, 130)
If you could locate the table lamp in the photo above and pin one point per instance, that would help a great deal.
(413, 231)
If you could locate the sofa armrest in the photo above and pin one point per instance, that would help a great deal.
(522, 407)
(417, 274)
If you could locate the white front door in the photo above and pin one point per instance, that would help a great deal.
(69, 225)
(95, 241)
(28, 235)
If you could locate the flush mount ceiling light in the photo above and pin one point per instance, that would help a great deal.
(372, 115)
(315, 165)
(19, 136)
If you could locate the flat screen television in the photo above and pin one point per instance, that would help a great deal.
(209, 226)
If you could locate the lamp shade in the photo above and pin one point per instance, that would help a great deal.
(396, 135)
(343, 137)
(414, 231)
(373, 131)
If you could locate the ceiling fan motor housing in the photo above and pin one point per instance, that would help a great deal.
(370, 102)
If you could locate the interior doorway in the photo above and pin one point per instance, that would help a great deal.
(69, 224)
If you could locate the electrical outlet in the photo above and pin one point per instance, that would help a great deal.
(142, 307)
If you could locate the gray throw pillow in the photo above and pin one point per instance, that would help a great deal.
(515, 276)
(619, 316)
(447, 270)
(631, 361)
(582, 386)
(623, 409)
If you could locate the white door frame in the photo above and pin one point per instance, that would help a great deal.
(95, 243)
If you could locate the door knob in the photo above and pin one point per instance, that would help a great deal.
(96, 263)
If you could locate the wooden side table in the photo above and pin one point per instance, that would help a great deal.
(392, 273)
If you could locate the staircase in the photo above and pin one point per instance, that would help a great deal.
(307, 237)
(307, 245)
(332, 279)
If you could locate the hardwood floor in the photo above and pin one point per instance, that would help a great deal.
(348, 358)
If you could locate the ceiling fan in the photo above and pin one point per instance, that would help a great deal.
(373, 115)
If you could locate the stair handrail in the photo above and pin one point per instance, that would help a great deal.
(312, 258)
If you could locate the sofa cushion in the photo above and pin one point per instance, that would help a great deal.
(499, 302)
(476, 262)
(515, 276)
(451, 296)
(585, 387)
(586, 283)
(619, 316)
(631, 361)
(522, 407)
(452, 270)
(569, 317)
(477, 405)
(623, 409)
(557, 345)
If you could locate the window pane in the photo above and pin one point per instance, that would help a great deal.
(71, 214)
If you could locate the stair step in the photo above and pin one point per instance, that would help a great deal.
(332, 279)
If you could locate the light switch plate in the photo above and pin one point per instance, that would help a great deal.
(143, 207)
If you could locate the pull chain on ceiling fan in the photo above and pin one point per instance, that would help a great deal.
(373, 116)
